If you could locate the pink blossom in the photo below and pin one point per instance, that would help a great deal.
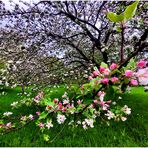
(38, 113)
(145, 21)
(104, 106)
(95, 73)
(100, 93)
(106, 72)
(128, 73)
(105, 81)
(41, 94)
(60, 106)
(70, 105)
(109, 101)
(37, 97)
(9, 125)
(36, 101)
(64, 109)
(142, 75)
(79, 101)
(96, 101)
(101, 69)
(90, 78)
(141, 64)
(41, 125)
(31, 117)
(48, 107)
(134, 82)
(113, 66)
(114, 79)
(56, 100)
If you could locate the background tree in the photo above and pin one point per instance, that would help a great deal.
(77, 33)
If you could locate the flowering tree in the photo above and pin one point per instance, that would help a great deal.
(97, 99)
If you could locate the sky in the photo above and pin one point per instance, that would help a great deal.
(10, 3)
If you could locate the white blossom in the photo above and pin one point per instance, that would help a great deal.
(23, 118)
(49, 124)
(123, 118)
(61, 118)
(7, 113)
(110, 115)
(114, 103)
(65, 101)
(126, 110)
(119, 98)
(78, 122)
(31, 117)
(90, 122)
(14, 104)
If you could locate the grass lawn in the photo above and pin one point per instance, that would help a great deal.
(133, 132)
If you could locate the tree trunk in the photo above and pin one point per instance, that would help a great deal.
(122, 46)
(23, 88)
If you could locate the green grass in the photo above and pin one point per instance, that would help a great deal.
(133, 132)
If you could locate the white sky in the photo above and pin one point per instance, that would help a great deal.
(10, 3)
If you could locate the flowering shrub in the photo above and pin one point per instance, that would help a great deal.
(97, 99)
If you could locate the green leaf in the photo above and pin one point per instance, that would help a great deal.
(43, 115)
(126, 81)
(104, 65)
(131, 65)
(46, 137)
(95, 68)
(118, 29)
(114, 17)
(130, 10)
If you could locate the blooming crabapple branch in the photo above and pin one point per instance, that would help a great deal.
(94, 95)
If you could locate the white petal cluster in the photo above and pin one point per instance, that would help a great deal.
(7, 114)
(14, 104)
(88, 122)
(49, 124)
(110, 115)
(61, 118)
(126, 110)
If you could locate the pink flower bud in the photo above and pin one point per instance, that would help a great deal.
(79, 101)
(95, 73)
(113, 66)
(141, 64)
(96, 101)
(60, 106)
(114, 79)
(64, 109)
(38, 113)
(128, 73)
(106, 72)
(90, 78)
(37, 98)
(105, 81)
(145, 21)
(100, 93)
(102, 69)
(134, 82)
(56, 101)
(9, 125)
(49, 107)
(109, 101)
(41, 125)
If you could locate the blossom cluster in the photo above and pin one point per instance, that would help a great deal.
(76, 111)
